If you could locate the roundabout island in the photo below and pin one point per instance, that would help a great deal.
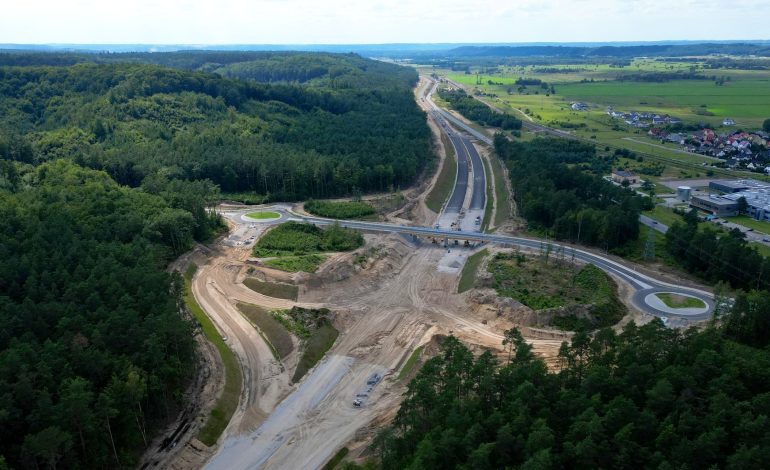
(261, 216)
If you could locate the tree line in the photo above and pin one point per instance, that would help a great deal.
(647, 397)
(716, 257)
(95, 349)
(558, 188)
(477, 111)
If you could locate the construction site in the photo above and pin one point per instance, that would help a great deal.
(391, 302)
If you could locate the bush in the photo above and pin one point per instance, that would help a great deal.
(294, 238)
(339, 210)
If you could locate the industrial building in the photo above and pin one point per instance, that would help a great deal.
(622, 176)
(756, 193)
(736, 186)
(717, 205)
(758, 202)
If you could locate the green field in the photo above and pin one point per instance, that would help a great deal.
(341, 209)
(446, 179)
(502, 196)
(745, 98)
(280, 290)
(545, 283)
(295, 246)
(261, 215)
(680, 301)
(293, 264)
(316, 346)
(664, 215)
(468, 274)
(409, 364)
(748, 222)
(273, 332)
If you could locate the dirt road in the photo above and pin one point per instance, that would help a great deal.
(383, 315)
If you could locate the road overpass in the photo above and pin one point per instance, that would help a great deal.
(643, 285)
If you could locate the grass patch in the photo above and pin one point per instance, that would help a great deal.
(337, 459)
(409, 364)
(293, 264)
(445, 181)
(341, 210)
(544, 284)
(748, 222)
(227, 403)
(295, 246)
(489, 196)
(762, 249)
(275, 334)
(316, 346)
(272, 289)
(294, 238)
(663, 215)
(260, 215)
(680, 301)
(503, 210)
(468, 274)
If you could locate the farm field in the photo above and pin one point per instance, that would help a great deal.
(744, 96)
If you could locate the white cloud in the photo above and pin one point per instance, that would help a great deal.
(377, 21)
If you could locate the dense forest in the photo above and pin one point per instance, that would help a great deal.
(352, 125)
(717, 257)
(648, 397)
(558, 188)
(93, 350)
(477, 111)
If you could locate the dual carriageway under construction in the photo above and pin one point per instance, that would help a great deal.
(301, 425)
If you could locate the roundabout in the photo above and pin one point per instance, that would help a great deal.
(261, 216)
(674, 303)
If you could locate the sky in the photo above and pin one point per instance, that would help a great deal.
(212, 22)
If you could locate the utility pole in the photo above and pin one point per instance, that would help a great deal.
(649, 246)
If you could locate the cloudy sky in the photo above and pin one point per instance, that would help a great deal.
(377, 21)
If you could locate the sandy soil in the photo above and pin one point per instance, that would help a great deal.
(383, 312)
(396, 301)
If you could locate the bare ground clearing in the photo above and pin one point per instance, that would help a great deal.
(384, 310)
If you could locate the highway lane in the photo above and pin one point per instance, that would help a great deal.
(642, 284)
(457, 198)
(468, 158)
(479, 197)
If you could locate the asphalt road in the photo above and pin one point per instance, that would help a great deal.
(653, 224)
(457, 198)
(479, 197)
(466, 153)
(642, 284)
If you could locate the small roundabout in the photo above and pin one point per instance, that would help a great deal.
(673, 302)
(261, 216)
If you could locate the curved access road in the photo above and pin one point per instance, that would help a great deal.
(642, 284)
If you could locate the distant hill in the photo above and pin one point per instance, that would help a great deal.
(649, 50)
